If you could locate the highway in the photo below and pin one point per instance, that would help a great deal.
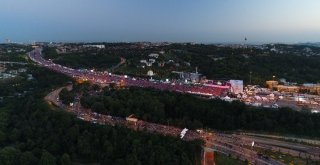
(218, 142)
(241, 146)
(107, 78)
(286, 138)
(140, 125)
(294, 149)
(244, 154)
(235, 145)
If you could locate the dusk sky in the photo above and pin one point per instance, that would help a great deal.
(208, 21)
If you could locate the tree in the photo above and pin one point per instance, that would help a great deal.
(27, 158)
(47, 158)
(66, 96)
(98, 107)
(65, 159)
(96, 87)
(9, 155)
(2, 137)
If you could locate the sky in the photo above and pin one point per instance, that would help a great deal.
(204, 21)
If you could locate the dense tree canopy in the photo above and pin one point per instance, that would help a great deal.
(237, 63)
(189, 111)
(38, 134)
(85, 60)
(32, 133)
(213, 61)
(66, 96)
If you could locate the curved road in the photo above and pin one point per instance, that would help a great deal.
(224, 143)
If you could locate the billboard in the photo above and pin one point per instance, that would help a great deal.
(236, 86)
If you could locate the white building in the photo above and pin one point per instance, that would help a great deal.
(154, 55)
(95, 46)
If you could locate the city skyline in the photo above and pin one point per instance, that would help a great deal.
(288, 21)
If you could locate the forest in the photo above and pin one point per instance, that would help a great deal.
(13, 52)
(237, 63)
(33, 132)
(213, 61)
(100, 60)
(185, 110)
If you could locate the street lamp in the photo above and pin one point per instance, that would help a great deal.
(273, 77)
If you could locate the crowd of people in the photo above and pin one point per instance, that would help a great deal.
(102, 77)
(140, 125)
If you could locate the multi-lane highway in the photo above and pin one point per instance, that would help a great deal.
(140, 125)
(235, 145)
(241, 146)
(104, 78)
(222, 143)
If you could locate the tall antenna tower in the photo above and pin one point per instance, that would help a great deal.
(245, 42)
